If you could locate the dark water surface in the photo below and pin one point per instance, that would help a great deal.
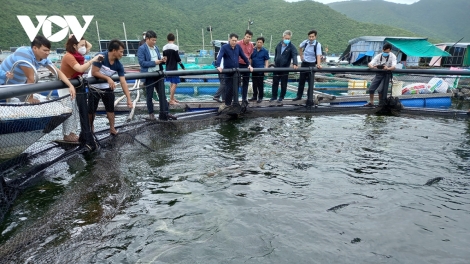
(330, 189)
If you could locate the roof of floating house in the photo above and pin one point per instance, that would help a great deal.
(411, 46)
(377, 38)
(460, 44)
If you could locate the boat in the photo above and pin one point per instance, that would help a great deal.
(21, 125)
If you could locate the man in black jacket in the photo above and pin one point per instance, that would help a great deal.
(285, 53)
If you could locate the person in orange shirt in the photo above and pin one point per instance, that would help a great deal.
(73, 65)
(247, 48)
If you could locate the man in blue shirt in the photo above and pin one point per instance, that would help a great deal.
(259, 59)
(231, 53)
(36, 56)
(4, 75)
(105, 91)
(310, 55)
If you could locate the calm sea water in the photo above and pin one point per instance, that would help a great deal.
(331, 189)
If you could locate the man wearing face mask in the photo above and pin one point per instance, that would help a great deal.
(285, 53)
(385, 61)
(310, 55)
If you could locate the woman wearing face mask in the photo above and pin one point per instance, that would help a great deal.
(74, 65)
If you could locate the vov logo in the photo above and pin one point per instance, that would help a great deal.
(66, 23)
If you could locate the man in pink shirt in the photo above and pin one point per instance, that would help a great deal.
(247, 48)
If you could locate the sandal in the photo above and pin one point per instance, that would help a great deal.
(71, 138)
(369, 105)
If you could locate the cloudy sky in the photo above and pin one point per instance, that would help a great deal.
(331, 1)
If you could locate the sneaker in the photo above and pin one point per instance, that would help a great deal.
(222, 107)
(216, 99)
(259, 101)
(245, 102)
(272, 99)
(279, 100)
(297, 99)
(252, 99)
(369, 105)
(151, 117)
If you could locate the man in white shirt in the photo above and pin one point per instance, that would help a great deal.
(385, 61)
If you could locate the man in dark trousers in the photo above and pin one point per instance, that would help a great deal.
(310, 55)
(247, 47)
(230, 54)
(150, 60)
(285, 53)
(259, 59)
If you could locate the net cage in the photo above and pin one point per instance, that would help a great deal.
(31, 137)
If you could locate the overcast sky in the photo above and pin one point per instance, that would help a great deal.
(331, 1)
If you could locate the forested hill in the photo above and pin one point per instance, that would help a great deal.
(271, 17)
(444, 20)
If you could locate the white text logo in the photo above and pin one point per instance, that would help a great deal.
(45, 22)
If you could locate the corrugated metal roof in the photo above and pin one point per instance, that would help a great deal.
(460, 44)
(378, 38)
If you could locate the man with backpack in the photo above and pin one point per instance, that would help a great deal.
(310, 52)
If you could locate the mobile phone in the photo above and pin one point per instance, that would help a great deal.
(100, 59)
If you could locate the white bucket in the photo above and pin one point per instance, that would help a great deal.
(396, 88)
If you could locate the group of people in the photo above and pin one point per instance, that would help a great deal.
(237, 54)
(243, 54)
(103, 66)
(73, 65)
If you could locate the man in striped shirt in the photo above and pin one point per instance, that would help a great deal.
(36, 55)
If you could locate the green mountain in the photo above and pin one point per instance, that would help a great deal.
(440, 20)
(190, 18)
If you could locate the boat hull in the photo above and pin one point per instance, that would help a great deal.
(18, 134)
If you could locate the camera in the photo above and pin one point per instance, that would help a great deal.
(100, 59)
(380, 66)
